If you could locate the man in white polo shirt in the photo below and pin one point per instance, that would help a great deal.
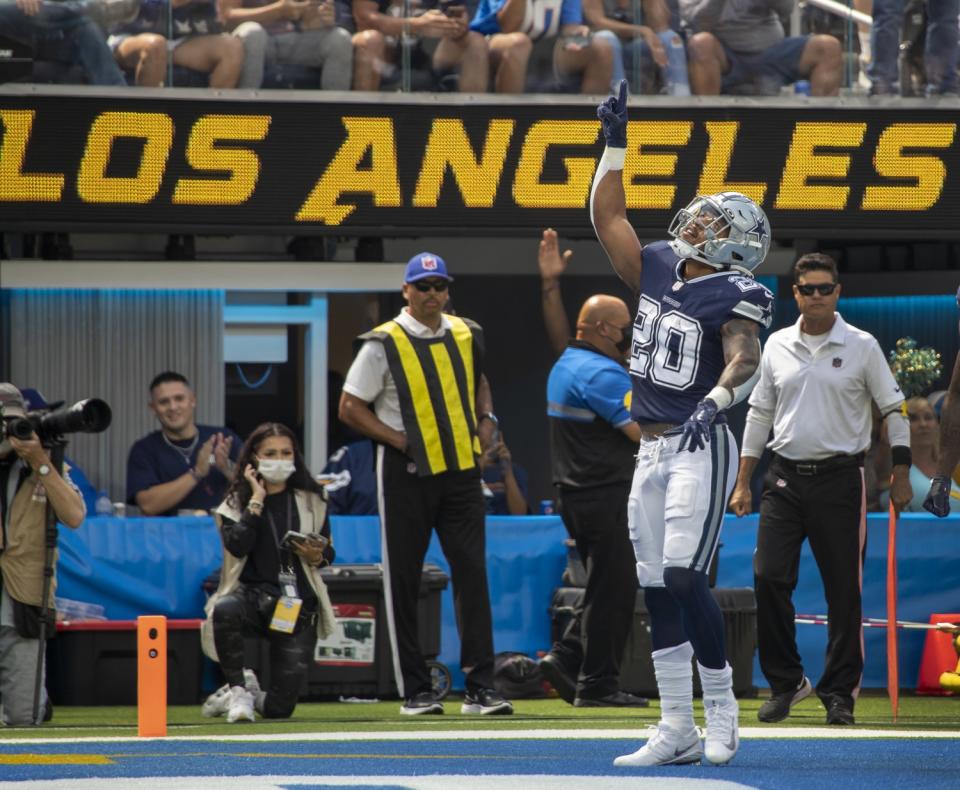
(817, 379)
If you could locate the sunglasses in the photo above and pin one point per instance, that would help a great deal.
(436, 285)
(824, 289)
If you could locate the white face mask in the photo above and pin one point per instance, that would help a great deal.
(275, 470)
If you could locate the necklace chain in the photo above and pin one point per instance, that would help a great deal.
(185, 452)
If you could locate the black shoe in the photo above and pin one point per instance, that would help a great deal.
(839, 711)
(619, 699)
(486, 702)
(777, 708)
(423, 702)
(564, 683)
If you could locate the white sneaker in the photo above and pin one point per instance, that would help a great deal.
(723, 731)
(665, 746)
(217, 703)
(250, 681)
(241, 705)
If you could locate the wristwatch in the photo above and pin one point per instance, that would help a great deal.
(43, 470)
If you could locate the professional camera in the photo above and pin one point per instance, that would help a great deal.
(86, 416)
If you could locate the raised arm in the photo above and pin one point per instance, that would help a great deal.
(552, 266)
(608, 206)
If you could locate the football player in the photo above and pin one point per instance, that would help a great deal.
(695, 353)
(938, 498)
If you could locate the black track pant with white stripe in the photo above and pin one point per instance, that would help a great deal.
(411, 507)
(828, 510)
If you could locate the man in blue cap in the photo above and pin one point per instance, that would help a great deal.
(421, 372)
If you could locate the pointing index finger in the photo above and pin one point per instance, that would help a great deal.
(622, 99)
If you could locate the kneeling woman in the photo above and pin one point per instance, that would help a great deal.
(270, 585)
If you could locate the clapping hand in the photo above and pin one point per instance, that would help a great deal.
(696, 430)
(613, 118)
(938, 497)
(221, 454)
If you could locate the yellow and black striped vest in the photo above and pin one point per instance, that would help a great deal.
(436, 382)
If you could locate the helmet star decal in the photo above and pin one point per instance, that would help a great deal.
(759, 229)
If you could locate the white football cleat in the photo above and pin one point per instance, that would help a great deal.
(723, 731)
(665, 746)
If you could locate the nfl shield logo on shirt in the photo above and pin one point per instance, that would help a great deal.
(837, 362)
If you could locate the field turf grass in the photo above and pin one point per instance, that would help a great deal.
(872, 711)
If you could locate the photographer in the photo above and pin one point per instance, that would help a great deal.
(269, 584)
(28, 481)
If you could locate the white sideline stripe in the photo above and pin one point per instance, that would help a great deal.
(435, 782)
(759, 733)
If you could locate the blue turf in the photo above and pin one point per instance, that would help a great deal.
(774, 764)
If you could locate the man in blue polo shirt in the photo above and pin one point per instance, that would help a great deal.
(593, 442)
(183, 466)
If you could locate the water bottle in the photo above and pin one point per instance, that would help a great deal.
(104, 506)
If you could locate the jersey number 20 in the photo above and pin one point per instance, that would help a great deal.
(666, 347)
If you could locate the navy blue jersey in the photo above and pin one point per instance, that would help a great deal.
(677, 353)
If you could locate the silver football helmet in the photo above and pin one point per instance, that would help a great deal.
(735, 232)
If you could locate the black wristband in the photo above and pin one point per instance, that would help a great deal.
(901, 455)
(488, 415)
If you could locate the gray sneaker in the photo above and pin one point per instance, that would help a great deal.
(665, 746)
(777, 708)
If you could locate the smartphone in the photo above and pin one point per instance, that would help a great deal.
(292, 539)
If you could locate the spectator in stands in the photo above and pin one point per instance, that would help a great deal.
(740, 48)
(270, 585)
(297, 32)
(196, 42)
(381, 26)
(504, 482)
(28, 483)
(183, 465)
(62, 31)
(940, 52)
(925, 449)
(638, 45)
(571, 47)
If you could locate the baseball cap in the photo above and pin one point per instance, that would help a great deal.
(425, 264)
(11, 401)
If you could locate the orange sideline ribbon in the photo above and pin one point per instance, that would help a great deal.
(893, 679)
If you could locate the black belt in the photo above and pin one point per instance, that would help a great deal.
(822, 465)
